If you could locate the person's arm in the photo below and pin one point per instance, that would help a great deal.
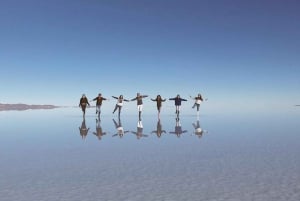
(153, 99)
(183, 99)
(126, 100)
(95, 99)
(163, 100)
(171, 98)
(144, 96)
(114, 97)
(133, 99)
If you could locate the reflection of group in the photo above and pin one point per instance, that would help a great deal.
(139, 100)
(139, 133)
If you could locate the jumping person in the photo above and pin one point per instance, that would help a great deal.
(177, 100)
(83, 102)
(159, 101)
(139, 100)
(119, 103)
(99, 100)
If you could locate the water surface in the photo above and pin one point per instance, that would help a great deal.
(58, 155)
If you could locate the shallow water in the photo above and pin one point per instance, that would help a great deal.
(45, 156)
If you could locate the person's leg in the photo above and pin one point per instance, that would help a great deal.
(120, 107)
(83, 109)
(116, 107)
(98, 109)
(198, 107)
(140, 109)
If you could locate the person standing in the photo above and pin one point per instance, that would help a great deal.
(119, 103)
(177, 100)
(99, 100)
(83, 103)
(139, 101)
(159, 101)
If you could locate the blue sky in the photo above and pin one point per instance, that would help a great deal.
(242, 55)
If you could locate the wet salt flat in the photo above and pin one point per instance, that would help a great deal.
(55, 155)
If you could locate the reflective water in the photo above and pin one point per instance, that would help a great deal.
(57, 155)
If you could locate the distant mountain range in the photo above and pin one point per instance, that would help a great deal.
(20, 106)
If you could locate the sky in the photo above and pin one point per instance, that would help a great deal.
(241, 55)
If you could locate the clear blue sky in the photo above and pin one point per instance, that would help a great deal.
(239, 54)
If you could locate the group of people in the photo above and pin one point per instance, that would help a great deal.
(139, 100)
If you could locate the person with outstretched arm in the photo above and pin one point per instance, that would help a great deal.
(198, 100)
(159, 101)
(177, 100)
(139, 101)
(83, 103)
(99, 99)
(119, 104)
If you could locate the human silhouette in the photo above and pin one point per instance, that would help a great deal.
(178, 101)
(139, 131)
(178, 129)
(198, 130)
(99, 99)
(159, 101)
(159, 131)
(198, 100)
(99, 133)
(119, 104)
(139, 101)
(120, 129)
(83, 130)
(83, 103)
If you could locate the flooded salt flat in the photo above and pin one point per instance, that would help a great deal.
(58, 155)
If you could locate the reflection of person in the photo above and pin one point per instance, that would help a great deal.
(198, 130)
(139, 101)
(119, 103)
(177, 100)
(178, 130)
(159, 101)
(139, 131)
(99, 133)
(83, 103)
(120, 129)
(83, 130)
(159, 131)
(99, 100)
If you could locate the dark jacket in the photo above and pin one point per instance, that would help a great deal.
(139, 99)
(83, 102)
(177, 100)
(158, 101)
(99, 100)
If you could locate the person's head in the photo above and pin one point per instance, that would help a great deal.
(99, 94)
(199, 95)
(121, 96)
(158, 96)
(83, 95)
(178, 96)
(138, 94)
